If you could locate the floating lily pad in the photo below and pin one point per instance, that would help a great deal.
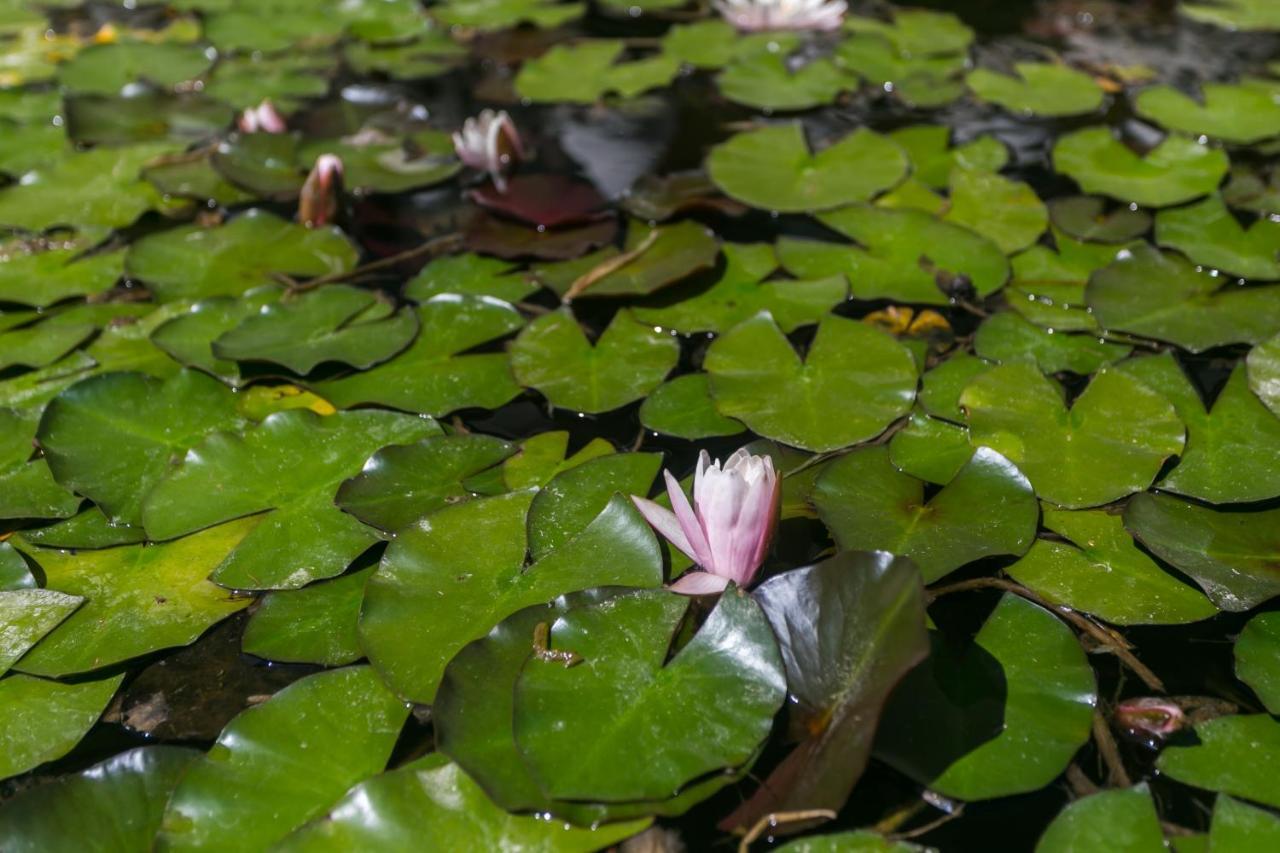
(1121, 819)
(195, 179)
(552, 354)
(265, 164)
(191, 262)
(653, 258)
(44, 720)
(286, 81)
(499, 14)
(1226, 758)
(930, 449)
(1233, 14)
(299, 749)
(586, 71)
(1231, 554)
(860, 841)
(1243, 113)
(1110, 443)
(315, 624)
(933, 156)
(770, 79)
(566, 505)
(1258, 658)
(1038, 88)
(853, 383)
(1176, 170)
(1207, 233)
(1263, 366)
(1048, 287)
(430, 56)
(39, 273)
(917, 32)
(1007, 337)
(270, 28)
(1007, 212)
(41, 344)
(472, 275)
(27, 488)
(292, 464)
(14, 573)
(703, 44)
(388, 164)
(683, 407)
(773, 168)
(924, 81)
(1253, 189)
(545, 455)
(189, 337)
(141, 115)
(1099, 570)
(27, 616)
(87, 529)
(1086, 218)
(1240, 826)
(105, 69)
(436, 375)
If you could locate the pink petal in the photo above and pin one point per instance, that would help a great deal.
(665, 522)
(694, 532)
(719, 508)
(699, 583)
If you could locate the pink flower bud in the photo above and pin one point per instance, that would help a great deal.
(1149, 719)
(490, 143)
(261, 119)
(318, 201)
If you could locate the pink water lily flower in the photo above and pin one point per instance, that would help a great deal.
(795, 15)
(261, 119)
(728, 528)
(318, 201)
(489, 143)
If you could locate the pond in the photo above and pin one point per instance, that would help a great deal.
(640, 424)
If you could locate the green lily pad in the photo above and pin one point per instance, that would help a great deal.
(917, 32)
(188, 338)
(43, 720)
(472, 275)
(387, 164)
(400, 485)
(1258, 658)
(27, 616)
(435, 375)
(27, 487)
(14, 573)
(1243, 113)
(105, 69)
(139, 116)
(579, 727)
(987, 509)
(859, 841)
(291, 464)
(195, 179)
(659, 256)
(147, 423)
(299, 749)
(587, 70)
(1253, 189)
(1085, 218)
(41, 344)
(430, 56)
(1112, 441)
(1099, 570)
(315, 624)
(1233, 14)
(1232, 555)
(191, 262)
(566, 505)
(945, 727)
(120, 800)
(1240, 826)
(941, 386)
(703, 44)
(930, 449)
(770, 79)
(270, 28)
(265, 164)
(286, 80)
(87, 529)
(446, 583)
(1048, 286)
(933, 156)
(1120, 819)
(552, 355)
(1226, 758)
(24, 147)
(1176, 170)
(1007, 212)
(543, 456)
(487, 15)
(904, 255)
(1263, 367)
(39, 273)
(1007, 337)
(1208, 234)
(1039, 89)
(1229, 457)
(773, 168)
(849, 628)
(1162, 295)
(922, 81)
(138, 599)
(682, 407)
(853, 383)
(434, 798)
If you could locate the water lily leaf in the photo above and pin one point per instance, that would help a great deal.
(14, 573)
(1240, 826)
(265, 164)
(487, 15)
(773, 168)
(917, 32)
(918, 80)
(988, 508)
(653, 258)
(191, 262)
(138, 598)
(27, 487)
(854, 382)
(1112, 442)
(552, 355)
(1099, 570)
(1253, 189)
(143, 115)
(1263, 368)
(1233, 14)
(188, 338)
(904, 255)
(849, 628)
(27, 615)
(292, 464)
(469, 274)
(400, 485)
(270, 28)
(315, 624)
(87, 529)
(1162, 295)
(941, 386)
(1232, 555)
(1007, 337)
(585, 71)
(383, 20)
(434, 797)
(147, 423)
(543, 456)
(118, 801)
(41, 344)
(434, 376)
(577, 726)
(430, 56)
(98, 188)
(1208, 234)
(43, 720)
(1120, 819)
(933, 156)
(566, 505)
(682, 407)
(1002, 716)
(299, 748)
(447, 582)
(195, 179)
(930, 449)
(1225, 758)
(388, 164)
(1258, 658)
(1085, 218)
(40, 273)
(773, 80)
(286, 80)
(1009, 213)
(1048, 286)
(1038, 88)
(703, 44)
(1229, 456)
(105, 69)
(859, 841)
(1176, 170)
(1243, 113)
(494, 235)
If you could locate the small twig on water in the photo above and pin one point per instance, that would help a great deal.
(771, 820)
(612, 265)
(431, 247)
(895, 819)
(941, 819)
(1117, 776)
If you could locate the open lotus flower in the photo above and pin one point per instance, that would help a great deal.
(261, 119)
(489, 143)
(728, 528)
(318, 201)
(796, 15)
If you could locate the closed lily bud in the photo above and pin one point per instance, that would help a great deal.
(261, 119)
(318, 201)
(490, 143)
(774, 15)
(729, 526)
(1150, 720)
